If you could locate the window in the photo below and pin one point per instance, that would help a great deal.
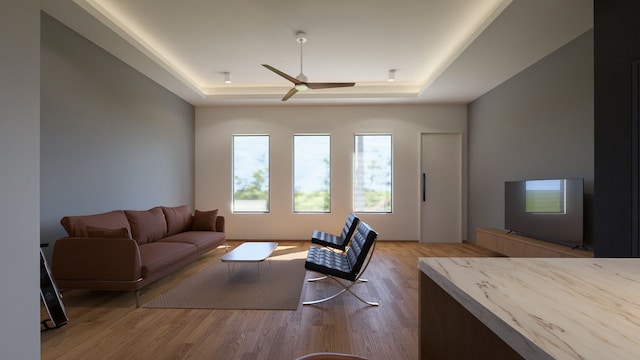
(311, 173)
(251, 173)
(372, 173)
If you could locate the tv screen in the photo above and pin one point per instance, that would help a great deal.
(547, 209)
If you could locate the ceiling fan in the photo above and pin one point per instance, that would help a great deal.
(300, 82)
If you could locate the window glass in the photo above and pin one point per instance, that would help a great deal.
(251, 173)
(372, 169)
(311, 173)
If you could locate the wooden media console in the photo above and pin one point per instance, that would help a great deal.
(513, 245)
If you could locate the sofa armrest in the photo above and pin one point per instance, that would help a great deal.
(96, 259)
(220, 223)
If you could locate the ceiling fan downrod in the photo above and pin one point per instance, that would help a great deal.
(301, 38)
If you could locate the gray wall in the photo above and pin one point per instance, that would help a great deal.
(110, 137)
(19, 180)
(538, 124)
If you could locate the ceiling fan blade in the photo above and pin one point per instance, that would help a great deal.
(329, 85)
(290, 94)
(286, 76)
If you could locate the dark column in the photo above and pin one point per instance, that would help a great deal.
(616, 51)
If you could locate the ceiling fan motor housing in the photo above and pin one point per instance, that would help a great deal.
(301, 37)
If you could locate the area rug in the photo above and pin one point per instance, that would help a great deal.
(274, 284)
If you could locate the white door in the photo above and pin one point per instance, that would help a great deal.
(441, 188)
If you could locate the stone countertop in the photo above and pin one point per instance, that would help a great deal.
(551, 308)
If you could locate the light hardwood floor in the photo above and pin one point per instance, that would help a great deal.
(106, 325)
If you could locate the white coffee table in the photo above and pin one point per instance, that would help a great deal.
(255, 252)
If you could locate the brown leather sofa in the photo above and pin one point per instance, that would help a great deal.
(128, 249)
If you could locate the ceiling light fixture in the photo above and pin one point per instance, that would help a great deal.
(392, 75)
(227, 77)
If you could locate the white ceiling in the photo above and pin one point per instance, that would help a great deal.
(442, 50)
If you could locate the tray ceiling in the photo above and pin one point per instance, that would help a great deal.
(441, 50)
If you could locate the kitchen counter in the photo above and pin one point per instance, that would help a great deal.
(544, 308)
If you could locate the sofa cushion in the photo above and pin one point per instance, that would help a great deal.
(107, 233)
(203, 240)
(158, 256)
(147, 225)
(204, 220)
(76, 226)
(178, 219)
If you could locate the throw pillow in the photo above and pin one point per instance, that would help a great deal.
(77, 225)
(147, 225)
(204, 220)
(107, 233)
(178, 219)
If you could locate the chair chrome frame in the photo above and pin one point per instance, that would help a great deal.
(346, 288)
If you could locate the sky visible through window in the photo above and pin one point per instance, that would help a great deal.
(249, 153)
(310, 152)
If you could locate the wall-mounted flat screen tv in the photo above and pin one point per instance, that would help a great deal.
(547, 209)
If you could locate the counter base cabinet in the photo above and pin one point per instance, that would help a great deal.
(449, 331)
(514, 245)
